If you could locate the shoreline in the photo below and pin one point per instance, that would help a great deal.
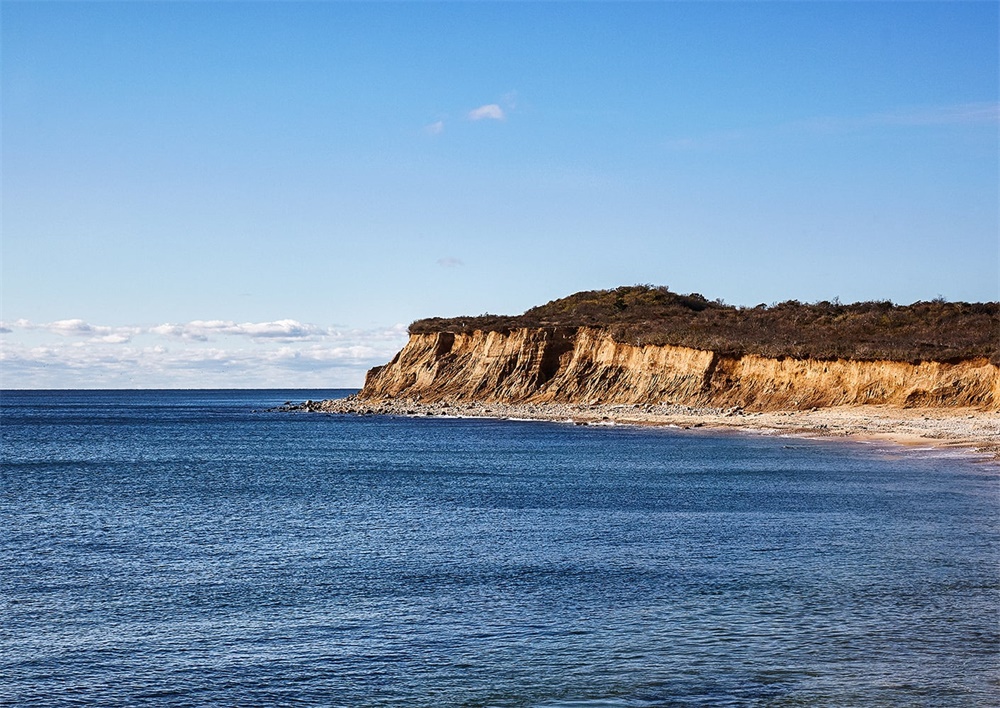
(966, 430)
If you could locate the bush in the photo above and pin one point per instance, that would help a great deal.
(643, 314)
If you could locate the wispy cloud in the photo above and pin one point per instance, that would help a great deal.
(491, 111)
(450, 262)
(956, 115)
(984, 113)
(708, 141)
(435, 128)
(962, 114)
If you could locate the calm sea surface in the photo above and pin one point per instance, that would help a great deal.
(182, 548)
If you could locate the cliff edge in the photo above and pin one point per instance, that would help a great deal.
(646, 345)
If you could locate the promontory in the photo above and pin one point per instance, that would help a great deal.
(638, 349)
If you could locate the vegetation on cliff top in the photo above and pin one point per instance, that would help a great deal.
(868, 331)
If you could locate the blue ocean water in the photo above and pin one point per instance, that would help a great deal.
(178, 548)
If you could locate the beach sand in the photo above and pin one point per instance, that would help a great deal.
(966, 429)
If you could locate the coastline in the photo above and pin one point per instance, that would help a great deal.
(966, 430)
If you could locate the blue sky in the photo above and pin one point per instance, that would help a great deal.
(266, 194)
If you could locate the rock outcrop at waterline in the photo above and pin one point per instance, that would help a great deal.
(588, 365)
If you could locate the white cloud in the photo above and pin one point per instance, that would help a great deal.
(284, 329)
(76, 328)
(490, 111)
(201, 353)
(201, 330)
(450, 262)
(69, 328)
(435, 128)
(115, 338)
(178, 331)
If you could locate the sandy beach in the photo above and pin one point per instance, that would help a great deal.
(966, 429)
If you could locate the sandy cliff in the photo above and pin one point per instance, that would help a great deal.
(584, 365)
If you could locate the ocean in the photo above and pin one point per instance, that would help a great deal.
(187, 548)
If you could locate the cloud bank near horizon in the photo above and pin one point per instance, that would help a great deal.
(73, 353)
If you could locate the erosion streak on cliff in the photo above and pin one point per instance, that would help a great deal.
(586, 365)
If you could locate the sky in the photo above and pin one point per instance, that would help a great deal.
(265, 194)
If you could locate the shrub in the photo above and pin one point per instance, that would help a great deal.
(643, 314)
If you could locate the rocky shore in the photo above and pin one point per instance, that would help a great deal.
(967, 429)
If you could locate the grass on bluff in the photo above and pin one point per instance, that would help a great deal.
(878, 330)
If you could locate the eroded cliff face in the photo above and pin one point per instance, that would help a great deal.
(588, 366)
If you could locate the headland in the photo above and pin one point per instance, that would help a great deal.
(925, 373)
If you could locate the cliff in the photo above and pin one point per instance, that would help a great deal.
(589, 365)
